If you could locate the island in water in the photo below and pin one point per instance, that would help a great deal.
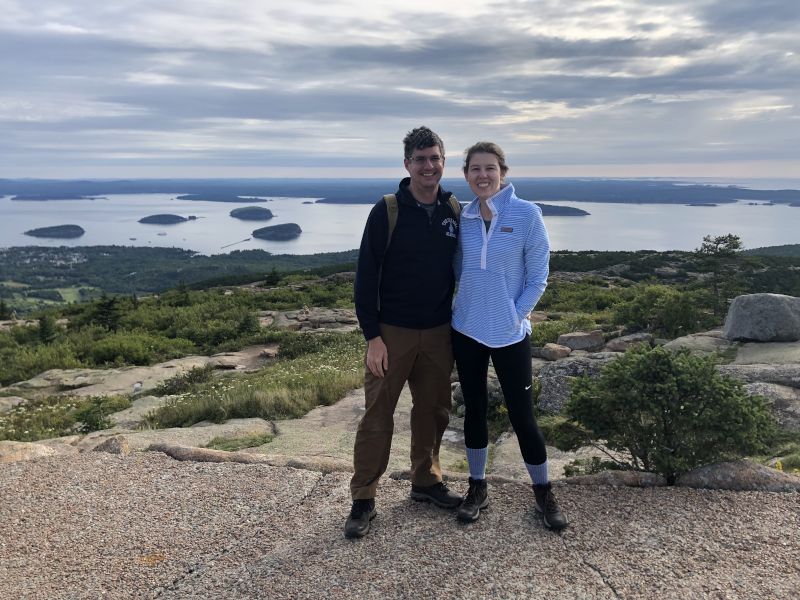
(278, 233)
(218, 198)
(163, 219)
(57, 231)
(551, 210)
(46, 197)
(252, 213)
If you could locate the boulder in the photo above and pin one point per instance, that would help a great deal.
(496, 397)
(763, 318)
(621, 344)
(619, 479)
(115, 445)
(338, 319)
(17, 451)
(581, 340)
(779, 353)
(779, 374)
(785, 402)
(707, 342)
(740, 476)
(7, 403)
(551, 352)
(556, 377)
(132, 417)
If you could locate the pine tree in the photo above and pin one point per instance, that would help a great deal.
(47, 329)
(5, 311)
(718, 256)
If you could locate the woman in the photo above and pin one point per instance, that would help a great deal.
(502, 266)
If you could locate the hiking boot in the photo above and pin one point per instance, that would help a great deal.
(436, 493)
(477, 498)
(547, 505)
(362, 512)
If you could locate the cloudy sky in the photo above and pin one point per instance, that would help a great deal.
(219, 88)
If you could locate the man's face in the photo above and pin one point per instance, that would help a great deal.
(425, 167)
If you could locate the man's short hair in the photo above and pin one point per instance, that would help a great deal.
(419, 139)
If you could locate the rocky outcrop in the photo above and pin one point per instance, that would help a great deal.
(740, 476)
(107, 382)
(785, 402)
(706, 342)
(581, 340)
(18, 451)
(7, 403)
(624, 342)
(619, 479)
(550, 352)
(780, 374)
(339, 319)
(763, 318)
(556, 377)
(114, 445)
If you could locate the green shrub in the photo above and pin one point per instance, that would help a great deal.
(663, 310)
(138, 348)
(184, 382)
(234, 444)
(670, 411)
(286, 389)
(21, 363)
(93, 413)
(589, 466)
(548, 331)
(56, 416)
(300, 344)
(562, 433)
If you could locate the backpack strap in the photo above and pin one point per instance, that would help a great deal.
(391, 208)
(455, 206)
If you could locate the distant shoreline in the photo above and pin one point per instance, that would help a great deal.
(369, 191)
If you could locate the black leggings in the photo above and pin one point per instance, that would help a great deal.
(513, 367)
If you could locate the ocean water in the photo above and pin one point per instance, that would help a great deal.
(336, 227)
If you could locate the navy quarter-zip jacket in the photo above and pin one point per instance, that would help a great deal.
(411, 283)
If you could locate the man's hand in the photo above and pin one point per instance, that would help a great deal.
(377, 356)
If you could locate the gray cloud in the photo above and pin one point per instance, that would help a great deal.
(583, 83)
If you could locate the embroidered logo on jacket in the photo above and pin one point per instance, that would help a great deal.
(450, 226)
(506, 229)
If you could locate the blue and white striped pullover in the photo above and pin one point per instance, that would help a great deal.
(502, 273)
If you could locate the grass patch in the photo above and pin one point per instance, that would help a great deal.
(184, 382)
(240, 443)
(71, 294)
(287, 389)
(57, 416)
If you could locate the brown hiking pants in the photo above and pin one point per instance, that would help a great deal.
(424, 358)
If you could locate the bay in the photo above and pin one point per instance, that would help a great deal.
(335, 227)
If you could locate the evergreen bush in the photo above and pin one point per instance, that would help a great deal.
(663, 310)
(671, 412)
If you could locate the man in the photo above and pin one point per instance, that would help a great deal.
(403, 294)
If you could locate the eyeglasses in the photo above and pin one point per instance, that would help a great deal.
(421, 160)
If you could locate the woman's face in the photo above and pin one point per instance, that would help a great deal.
(483, 175)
